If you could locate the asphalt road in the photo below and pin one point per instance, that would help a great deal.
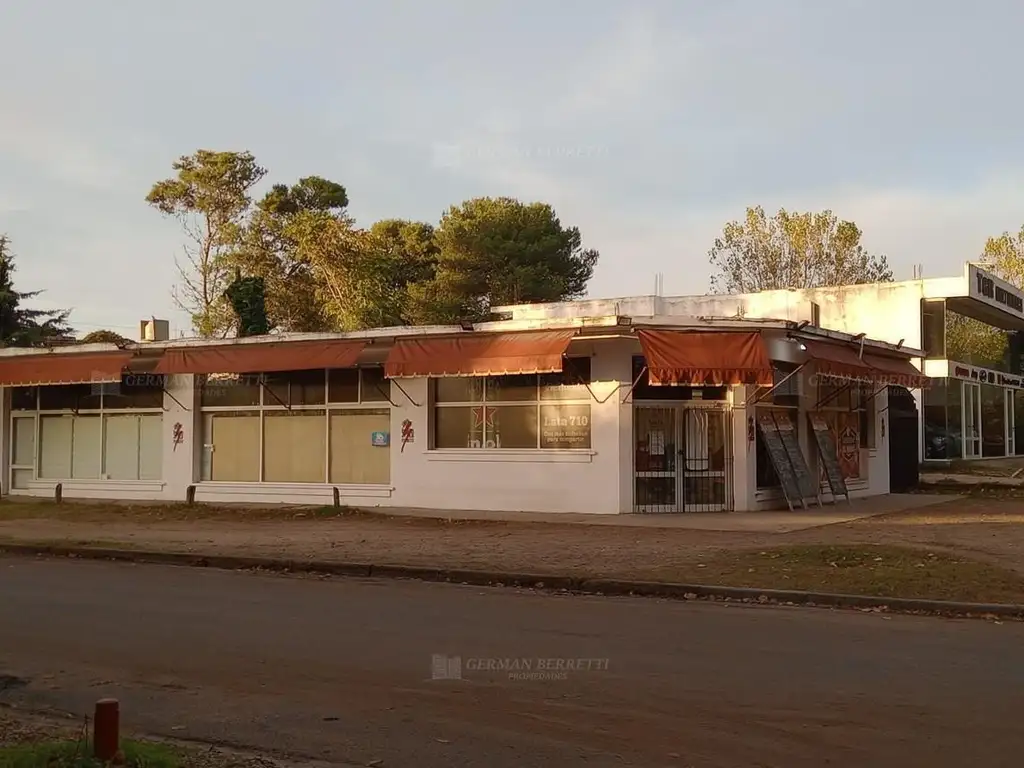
(342, 671)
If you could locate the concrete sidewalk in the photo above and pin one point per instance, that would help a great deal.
(746, 522)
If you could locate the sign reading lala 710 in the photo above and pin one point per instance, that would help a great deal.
(988, 288)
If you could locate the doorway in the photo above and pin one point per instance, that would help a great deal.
(972, 420)
(682, 458)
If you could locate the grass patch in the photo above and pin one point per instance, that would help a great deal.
(883, 571)
(78, 754)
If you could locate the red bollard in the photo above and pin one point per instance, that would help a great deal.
(106, 729)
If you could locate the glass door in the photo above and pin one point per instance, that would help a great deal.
(972, 420)
(655, 465)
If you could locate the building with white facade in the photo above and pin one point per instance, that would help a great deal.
(647, 404)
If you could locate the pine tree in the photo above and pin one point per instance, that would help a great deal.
(20, 326)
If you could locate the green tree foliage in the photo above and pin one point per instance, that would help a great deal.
(792, 250)
(104, 336)
(269, 248)
(321, 272)
(209, 195)
(495, 251)
(20, 326)
(247, 296)
(972, 341)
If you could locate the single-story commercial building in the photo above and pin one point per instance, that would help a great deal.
(575, 411)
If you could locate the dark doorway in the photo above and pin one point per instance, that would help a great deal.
(903, 429)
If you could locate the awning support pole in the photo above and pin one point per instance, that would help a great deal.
(387, 396)
(402, 390)
(633, 386)
(598, 400)
(834, 395)
(271, 393)
(180, 404)
(758, 396)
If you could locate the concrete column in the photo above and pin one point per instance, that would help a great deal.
(182, 440)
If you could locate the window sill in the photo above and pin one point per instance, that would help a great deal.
(512, 455)
(83, 483)
(221, 488)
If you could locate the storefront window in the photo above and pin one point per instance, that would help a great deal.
(548, 411)
(933, 327)
(88, 432)
(954, 418)
(937, 438)
(1018, 421)
(277, 428)
(993, 421)
(976, 343)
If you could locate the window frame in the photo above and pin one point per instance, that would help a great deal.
(538, 401)
(103, 412)
(269, 404)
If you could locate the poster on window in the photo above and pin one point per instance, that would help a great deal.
(848, 442)
(565, 426)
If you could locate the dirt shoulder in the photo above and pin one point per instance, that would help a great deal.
(967, 550)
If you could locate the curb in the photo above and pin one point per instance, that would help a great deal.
(609, 587)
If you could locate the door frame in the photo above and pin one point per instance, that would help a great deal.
(679, 473)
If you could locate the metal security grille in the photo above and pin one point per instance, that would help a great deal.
(682, 458)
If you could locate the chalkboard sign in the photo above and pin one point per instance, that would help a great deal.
(829, 455)
(780, 458)
(805, 480)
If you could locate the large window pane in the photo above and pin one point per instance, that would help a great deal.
(343, 385)
(151, 446)
(459, 389)
(511, 388)
(24, 398)
(565, 426)
(954, 418)
(143, 390)
(933, 327)
(68, 397)
(1018, 417)
(24, 454)
(456, 427)
(55, 434)
(121, 447)
(937, 438)
(295, 388)
(231, 390)
(87, 448)
(993, 421)
(294, 446)
(510, 426)
(235, 447)
(354, 457)
(570, 384)
(374, 388)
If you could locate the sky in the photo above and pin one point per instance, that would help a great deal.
(647, 124)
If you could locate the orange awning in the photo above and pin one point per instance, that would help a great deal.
(700, 358)
(896, 371)
(837, 360)
(261, 358)
(484, 354)
(58, 368)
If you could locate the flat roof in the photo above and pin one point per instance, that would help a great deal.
(597, 326)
